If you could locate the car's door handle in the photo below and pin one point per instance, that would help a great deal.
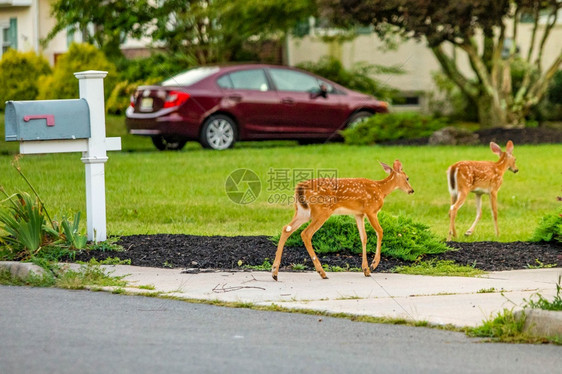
(236, 98)
(288, 101)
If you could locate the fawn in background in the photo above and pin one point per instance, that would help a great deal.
(317, 199)
(480, 177)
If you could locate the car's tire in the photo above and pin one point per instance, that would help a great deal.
(167, 143)
(219, 132)
(357, 118)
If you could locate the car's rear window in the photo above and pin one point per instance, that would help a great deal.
(189, 77)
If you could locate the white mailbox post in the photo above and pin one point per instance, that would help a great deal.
(94, 149)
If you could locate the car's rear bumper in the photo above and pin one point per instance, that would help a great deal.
(151, 124)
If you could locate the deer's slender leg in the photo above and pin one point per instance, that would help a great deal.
(301, 216)
(494, 204)
(318, 219)
(360, 220)
(373, 219)
(478, 214)
(461, 197)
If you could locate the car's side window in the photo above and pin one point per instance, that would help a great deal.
(289, 80)
(245, 80)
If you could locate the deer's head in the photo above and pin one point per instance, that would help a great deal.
(401, 179)
(508, 154)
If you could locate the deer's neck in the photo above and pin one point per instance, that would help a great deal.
(501, 164)
(387, 185)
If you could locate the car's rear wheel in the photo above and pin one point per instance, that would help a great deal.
(357, 118)
(168, 143)
(219, 132)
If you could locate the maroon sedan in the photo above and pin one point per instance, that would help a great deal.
(219, 105)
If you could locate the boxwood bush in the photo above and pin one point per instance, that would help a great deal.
(403, 238)
(393, 126)
(62, 84)
(19, 73)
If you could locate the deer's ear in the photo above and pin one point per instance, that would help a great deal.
(397, 166)
(495, 148)
(386, 168)
(509, 147)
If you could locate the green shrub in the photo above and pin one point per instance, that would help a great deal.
(403, 238)
(549, 229)
(157, 67)
(393, 126)
(358, 78)
(62, 84)
(19, 73)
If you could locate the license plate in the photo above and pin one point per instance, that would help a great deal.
(146, 104)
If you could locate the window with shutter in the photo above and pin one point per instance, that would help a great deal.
(8, 35)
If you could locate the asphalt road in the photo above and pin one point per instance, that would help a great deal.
(59, 331)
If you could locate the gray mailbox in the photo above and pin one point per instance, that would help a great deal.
(47, 120)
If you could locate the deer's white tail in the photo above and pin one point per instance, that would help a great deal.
(452, 181)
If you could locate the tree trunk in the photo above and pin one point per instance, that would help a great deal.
(489, 114)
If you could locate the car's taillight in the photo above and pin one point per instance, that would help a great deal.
(132, 101)
(175, 98)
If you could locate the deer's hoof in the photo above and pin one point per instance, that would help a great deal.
(367, 272)
(468, 233)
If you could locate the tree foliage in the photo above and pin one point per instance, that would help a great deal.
(483, 30)
(105, 24)
(206, 30)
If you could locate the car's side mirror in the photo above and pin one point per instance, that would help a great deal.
(321, 92)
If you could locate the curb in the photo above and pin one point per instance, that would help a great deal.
(22, 270)
(540, 322)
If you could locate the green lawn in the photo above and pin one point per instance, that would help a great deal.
(184, 192)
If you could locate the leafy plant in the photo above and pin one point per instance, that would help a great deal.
(26, 227)
(266, 266)
(23, 225)
(504, 327)
(543, 303)
(393, 126)
(403, 238)
(549, 229)
(90, 274)
(439, 268)
(70, 233)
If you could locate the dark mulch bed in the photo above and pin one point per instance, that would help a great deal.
(228, 253)
(530, 135)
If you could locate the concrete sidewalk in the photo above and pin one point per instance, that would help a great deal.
(458, 301)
